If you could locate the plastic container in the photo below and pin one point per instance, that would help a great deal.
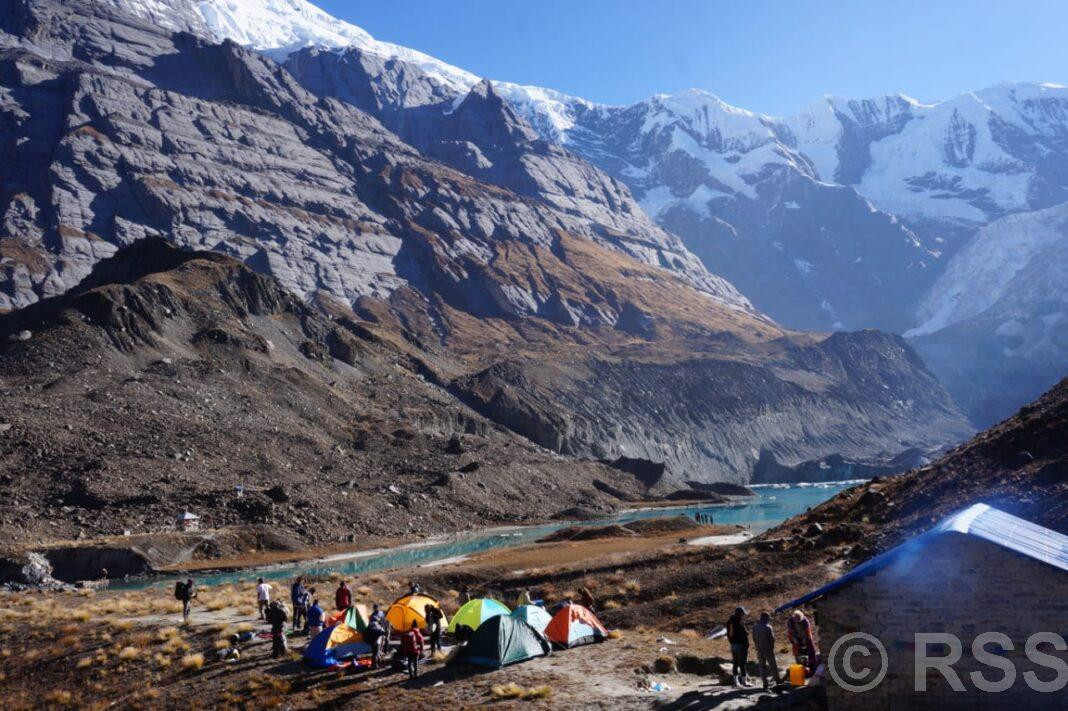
(797, 675)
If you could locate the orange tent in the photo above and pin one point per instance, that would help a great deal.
(409, 610)
(574, 625)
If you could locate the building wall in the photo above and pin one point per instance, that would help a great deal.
(957, 584)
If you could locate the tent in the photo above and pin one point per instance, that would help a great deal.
(336, 645)
(408, 610)
(534, 616)
(475, 612)
(502, 640)
(355, 616)
(573, 625)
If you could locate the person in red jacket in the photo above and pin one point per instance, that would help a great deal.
(412, 648)
(343, 596)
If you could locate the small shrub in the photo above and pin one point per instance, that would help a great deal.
(59, 697)
(128, 653)
(633, 586)
(665, 664)
(192, 662)
(84, 663)
(689, 633)
(612, 605)
(221, 643)
(511, 690)
(162, 661)
(615, 634)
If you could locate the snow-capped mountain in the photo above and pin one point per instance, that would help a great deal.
(843, 215)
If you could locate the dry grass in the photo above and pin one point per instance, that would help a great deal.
(615, 634)
(612, 605)
(192, 662)
(59, 697)
(689, 633)
(511, 690)
(129, 652)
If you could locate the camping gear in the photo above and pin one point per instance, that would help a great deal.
(409, 610)
(502, 640)
(797, 674)
(534, 616)
(575, 625)
(472, 614)
(335, 645)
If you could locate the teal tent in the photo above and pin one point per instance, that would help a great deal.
(503, 640)
(534, 616)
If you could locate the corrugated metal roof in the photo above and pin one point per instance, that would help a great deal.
(979, 520)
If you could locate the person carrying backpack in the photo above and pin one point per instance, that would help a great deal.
(411, 649)
(185, 592)
(277, 617)
(433, 616)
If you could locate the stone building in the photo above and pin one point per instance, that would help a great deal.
(979, 571)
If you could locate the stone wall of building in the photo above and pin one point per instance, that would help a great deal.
(960, 585)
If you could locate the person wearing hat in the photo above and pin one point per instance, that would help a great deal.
(738, 636)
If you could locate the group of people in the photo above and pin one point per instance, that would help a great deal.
(798, 633)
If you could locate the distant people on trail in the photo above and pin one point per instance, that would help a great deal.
(586, 598)
(297, 596)
(524, 599)
(185, 592)
(314, 619)
(803, 644)
(263, 597)
(433, 616)
(342, 596)
(764, 641)
(376, 635)
(414, 589)
(277, 617)
(738, 637)
(411, 649)
(465, 595)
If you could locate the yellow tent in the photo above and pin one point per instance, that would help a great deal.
(409, 610)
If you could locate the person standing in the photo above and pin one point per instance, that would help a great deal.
(764, 641)
(412, 648)
(738, 637)
(799, 634)
(297, 594)
(314, 619)
(376, 636)
(186, 592)
(263, 597)
(433, 616)
(277, 617)
(343, 596)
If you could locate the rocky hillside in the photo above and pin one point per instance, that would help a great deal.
(168, 379)
(1019, 465)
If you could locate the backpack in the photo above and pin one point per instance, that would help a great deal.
(179, 590)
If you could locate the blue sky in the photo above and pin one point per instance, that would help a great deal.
(773, 57)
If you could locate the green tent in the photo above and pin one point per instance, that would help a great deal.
(503, 640)
(475, 612)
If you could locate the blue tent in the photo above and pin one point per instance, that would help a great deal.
(336, 645)
(534, 616)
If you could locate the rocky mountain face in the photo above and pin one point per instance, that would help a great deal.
(525, 282)
(1020, 466)
(842, 216)
(172, 380)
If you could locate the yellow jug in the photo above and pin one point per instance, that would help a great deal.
(797, 675)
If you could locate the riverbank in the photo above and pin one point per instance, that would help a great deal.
(660, 593)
